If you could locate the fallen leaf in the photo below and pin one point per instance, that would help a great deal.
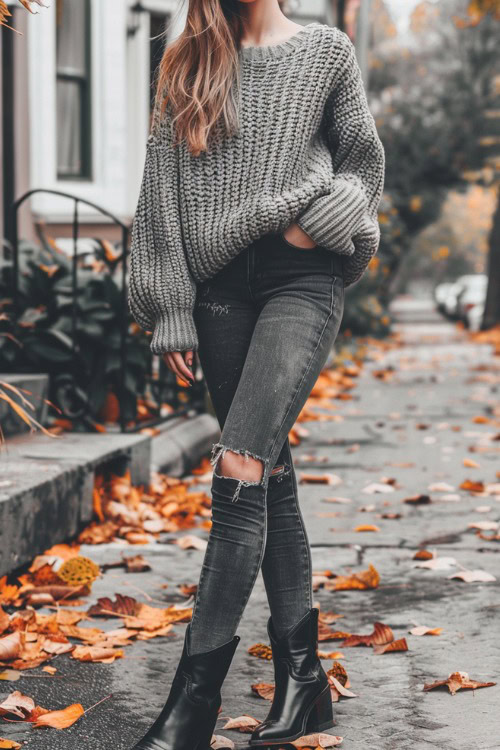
(471, 486)
(422, 630)
(418, 500)
(97, 654)
(458, 681)
(337, 690)
(341, 500)
(437, 563)
(366, 579)
(317, 741)
(381, 634)
(221, 743)
(9, 744)
(261, 651)
(17, 704)
(243, 723)
(191, 542)
(367, 527)
(331, 479)
(10, 646)
(399, 645)
(264, 690)
(60, 719)
(423, 554)
(470, 464)
(11, 675)
(473, 576)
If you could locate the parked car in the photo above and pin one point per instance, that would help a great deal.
(440, 294)
(451, 299)
(470, 302)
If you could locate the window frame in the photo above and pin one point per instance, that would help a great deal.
(84, 82)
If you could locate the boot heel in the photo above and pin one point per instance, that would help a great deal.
(321, 713)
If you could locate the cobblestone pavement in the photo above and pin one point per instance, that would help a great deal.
(416, 427)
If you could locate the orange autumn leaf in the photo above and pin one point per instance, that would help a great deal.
(11, 646)
(381, 634)
(9, 744)
(261, 651)
(366, 579)
(60, 719)
(472, 486)
(97, 654)
(331, 479)
(367, 527)
(399, 645)
(423, 554)
(423, 630)
(17, 704)
(8, 592)
(264, 690)
(457, 681)
(244, 723)
(317, 741)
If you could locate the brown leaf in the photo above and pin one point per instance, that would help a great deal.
(422, 630)
(381, 634)
(60, 719)
(17, 704)
(264, 690)
(318, 741)
(474, 576)
(4, 621)
(366, 579)
(57, 645)
(244, 723)
(9, 744)
(191, 542)
(472, 486)
(261, 651)
(399, 645)
(105, 607)
(136, 564)
(423, 554)
(331, 479)
(458, 681)
(11, 646)
(97, 654)
(418, 500)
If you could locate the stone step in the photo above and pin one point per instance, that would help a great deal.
(46, 484)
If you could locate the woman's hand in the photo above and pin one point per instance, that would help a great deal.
(295, 235)
(181, 364)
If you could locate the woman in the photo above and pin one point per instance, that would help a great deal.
(258, 205)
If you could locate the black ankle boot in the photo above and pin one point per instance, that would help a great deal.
(302, 701)
(188, 718)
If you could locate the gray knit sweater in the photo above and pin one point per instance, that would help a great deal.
(307, 150)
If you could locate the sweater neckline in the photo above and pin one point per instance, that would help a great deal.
(275, 51)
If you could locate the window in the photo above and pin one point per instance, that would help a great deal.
(73, 89)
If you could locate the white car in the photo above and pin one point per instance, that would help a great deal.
(440, 294)
(470, 302)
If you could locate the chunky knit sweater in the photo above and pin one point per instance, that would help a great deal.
(306, 150)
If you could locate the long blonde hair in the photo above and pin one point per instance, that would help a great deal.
(197, 77)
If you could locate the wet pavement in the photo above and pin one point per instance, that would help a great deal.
(415, 426)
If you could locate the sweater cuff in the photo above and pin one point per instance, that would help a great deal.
(331, 220)
(174, 331)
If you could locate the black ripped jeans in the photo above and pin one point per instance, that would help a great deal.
(266, 323)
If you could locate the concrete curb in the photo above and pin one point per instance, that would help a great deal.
(46, 484)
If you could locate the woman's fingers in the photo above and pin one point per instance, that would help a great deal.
(175, 361)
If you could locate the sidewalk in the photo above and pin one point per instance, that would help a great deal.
(412, 420)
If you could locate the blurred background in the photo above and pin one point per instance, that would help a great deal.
(76, 95)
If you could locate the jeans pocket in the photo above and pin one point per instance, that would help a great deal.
(296, 247)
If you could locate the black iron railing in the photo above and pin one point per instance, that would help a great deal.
(162, 384)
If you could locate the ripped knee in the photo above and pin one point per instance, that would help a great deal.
(237, 464)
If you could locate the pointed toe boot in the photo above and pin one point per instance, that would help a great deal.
(302, 701)
(188, 719)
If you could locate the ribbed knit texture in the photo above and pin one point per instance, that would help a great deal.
(307, 150)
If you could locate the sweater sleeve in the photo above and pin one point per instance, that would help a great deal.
(161, 290)
(345, 219)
